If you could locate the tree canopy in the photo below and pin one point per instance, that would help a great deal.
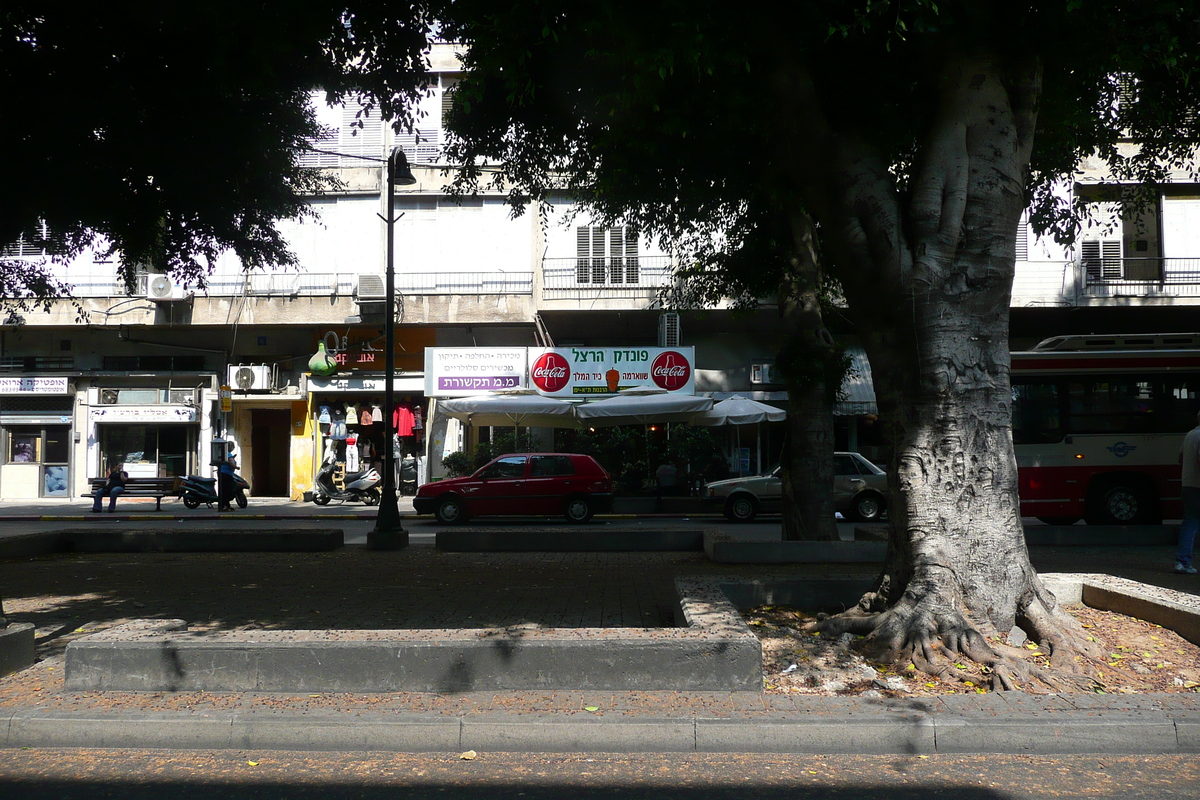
(914, 134)
(172, 132)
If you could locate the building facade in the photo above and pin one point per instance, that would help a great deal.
(139, 381)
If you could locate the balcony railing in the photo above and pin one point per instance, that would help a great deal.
(633, 276)
(1140, 277)
(327, 284)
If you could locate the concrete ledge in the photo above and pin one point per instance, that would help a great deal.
(28, 545)
(868, 733)
(567, 539)
(1071, 732)
(403, 734)
(715, 652)
(16, 647)
(724, 549)
(829, 725)
(225, 540)
(578, 734)
(173, 540)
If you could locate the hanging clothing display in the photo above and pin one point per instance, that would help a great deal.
(402, 421)
(352, 454)
(376, 413)
(365, 419)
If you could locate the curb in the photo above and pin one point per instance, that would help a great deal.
(878, 729)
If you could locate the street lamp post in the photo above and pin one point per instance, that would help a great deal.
(389, 533)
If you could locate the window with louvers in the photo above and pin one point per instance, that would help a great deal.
(606, 255)
(41, 241)
(1101, 259)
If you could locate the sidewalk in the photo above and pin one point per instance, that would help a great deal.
(421, 588)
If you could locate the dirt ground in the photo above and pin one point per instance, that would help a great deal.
(1142, 657)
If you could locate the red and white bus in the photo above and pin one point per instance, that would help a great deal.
(1097, 425)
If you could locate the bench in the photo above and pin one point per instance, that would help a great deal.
(158, 488)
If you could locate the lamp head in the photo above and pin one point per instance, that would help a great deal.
(401, 175)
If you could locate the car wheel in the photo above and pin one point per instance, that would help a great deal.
(321, 499)
(371, 496)
(1120, 503)
(741, 508)
(1058, 520)
(866, 507)
(577, 509)
(450, 511)
(191, 502)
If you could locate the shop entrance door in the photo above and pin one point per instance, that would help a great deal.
(270, 451)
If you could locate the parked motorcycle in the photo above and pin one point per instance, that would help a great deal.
(196, 490)
(362, 485)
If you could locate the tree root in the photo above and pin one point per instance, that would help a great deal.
(944, 643)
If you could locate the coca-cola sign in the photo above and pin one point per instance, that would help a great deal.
(550, 372)
(670, 371)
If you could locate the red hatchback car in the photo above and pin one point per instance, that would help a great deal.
(522, 483)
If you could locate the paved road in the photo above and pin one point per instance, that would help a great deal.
(241, 775)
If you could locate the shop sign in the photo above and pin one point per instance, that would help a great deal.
(461, 371)
(559, 371)
(34, 385)
(226, 399)
(356, 349)
(143, 414)
(362, 383)
(591, 371)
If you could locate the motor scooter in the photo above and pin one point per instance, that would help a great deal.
(196, 490)
(362, 485)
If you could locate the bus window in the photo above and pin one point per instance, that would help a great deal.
(1178, 402)
(1035, 413)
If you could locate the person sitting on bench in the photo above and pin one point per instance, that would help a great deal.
(113, 487)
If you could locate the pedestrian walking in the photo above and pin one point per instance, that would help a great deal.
(117, 478)
(1189, 459)
(225, 488)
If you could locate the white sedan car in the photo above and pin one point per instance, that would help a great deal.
(859, 491)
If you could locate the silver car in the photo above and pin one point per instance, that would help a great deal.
(859, 491)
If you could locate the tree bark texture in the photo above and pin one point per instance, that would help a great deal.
(927, 269)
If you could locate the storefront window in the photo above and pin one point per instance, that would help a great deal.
(48, 446)
(24, 446)
(147, 451)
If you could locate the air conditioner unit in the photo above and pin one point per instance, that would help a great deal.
(668, 330)
(762, 372)
(371, 288)
(162, 289)
(250, 378)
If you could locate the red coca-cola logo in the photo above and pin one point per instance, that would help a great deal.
(670, 371)
(550, 372)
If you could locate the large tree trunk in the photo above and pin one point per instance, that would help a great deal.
(805, 354)
(928, 275)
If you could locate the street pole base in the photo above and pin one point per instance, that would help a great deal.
(387, 540)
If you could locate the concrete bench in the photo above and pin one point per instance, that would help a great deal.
(158, 488)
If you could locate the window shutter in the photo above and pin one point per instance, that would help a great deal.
(448, 86)
(365, 141)
(1101, 259)
(597, 255)
(1022, 241)
(583, 250)
(616, 249)
(632, 272)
